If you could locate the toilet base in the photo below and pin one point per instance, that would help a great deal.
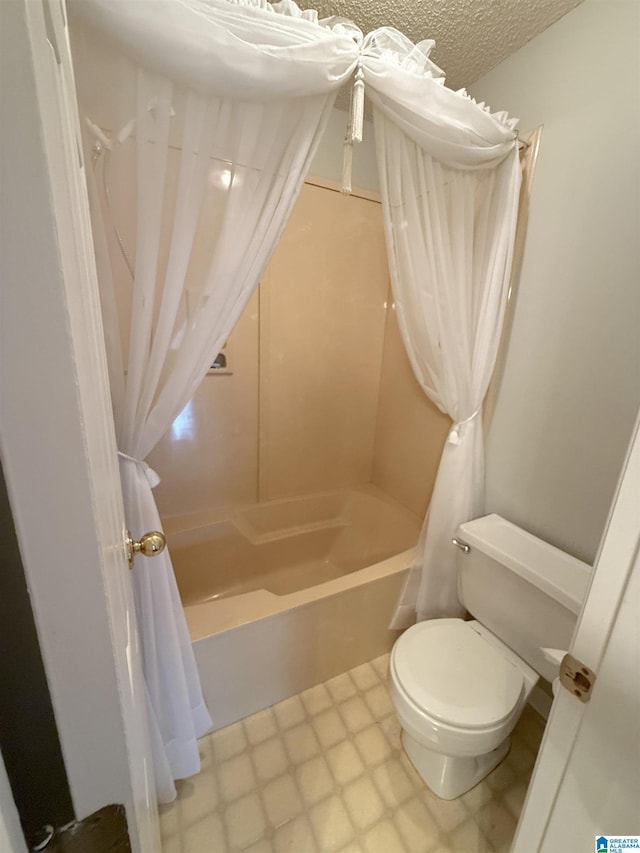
(449, 776)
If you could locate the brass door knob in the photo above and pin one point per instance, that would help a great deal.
(150, 544)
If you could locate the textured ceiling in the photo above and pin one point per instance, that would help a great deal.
(472, 36)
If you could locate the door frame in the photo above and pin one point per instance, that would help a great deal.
(57, 438)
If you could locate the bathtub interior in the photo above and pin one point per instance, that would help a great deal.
(284, 546)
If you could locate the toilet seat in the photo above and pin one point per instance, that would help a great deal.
(453, 675)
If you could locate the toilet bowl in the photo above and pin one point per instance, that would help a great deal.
(458, 693)
(459, 687)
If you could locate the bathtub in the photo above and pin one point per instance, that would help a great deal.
(282, 595)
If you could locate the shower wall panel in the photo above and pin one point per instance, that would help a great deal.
(209, 457)
(410, 429)
(320, 393)
(322, 320)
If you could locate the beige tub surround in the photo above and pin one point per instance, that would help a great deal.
(209, 456)
(410, 429)
(283, 595)
(320, 394)
(323, 307)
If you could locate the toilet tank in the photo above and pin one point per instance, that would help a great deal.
(522, 589)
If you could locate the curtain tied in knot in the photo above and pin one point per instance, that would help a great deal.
(455, 436)
(153, 478)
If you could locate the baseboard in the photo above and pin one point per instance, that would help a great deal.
(540, 701)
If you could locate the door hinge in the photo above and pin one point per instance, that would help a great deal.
(577, 678)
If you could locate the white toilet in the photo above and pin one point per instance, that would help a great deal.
(459, 687)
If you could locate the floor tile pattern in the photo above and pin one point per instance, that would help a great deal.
(324, 772)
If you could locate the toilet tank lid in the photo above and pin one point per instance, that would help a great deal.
(558, 574)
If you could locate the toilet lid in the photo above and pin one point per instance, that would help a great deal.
(455, 675)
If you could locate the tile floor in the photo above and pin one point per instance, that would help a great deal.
(324, 772)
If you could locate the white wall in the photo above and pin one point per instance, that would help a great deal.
(571, 387)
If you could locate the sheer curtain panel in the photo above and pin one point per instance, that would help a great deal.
(450, 179)
(227, 102)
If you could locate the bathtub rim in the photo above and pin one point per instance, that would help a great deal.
(208, 618)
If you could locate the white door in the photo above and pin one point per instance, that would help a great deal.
(586, 782)
(56, 428)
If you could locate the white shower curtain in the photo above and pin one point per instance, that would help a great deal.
(450, 180)
(214, 177)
